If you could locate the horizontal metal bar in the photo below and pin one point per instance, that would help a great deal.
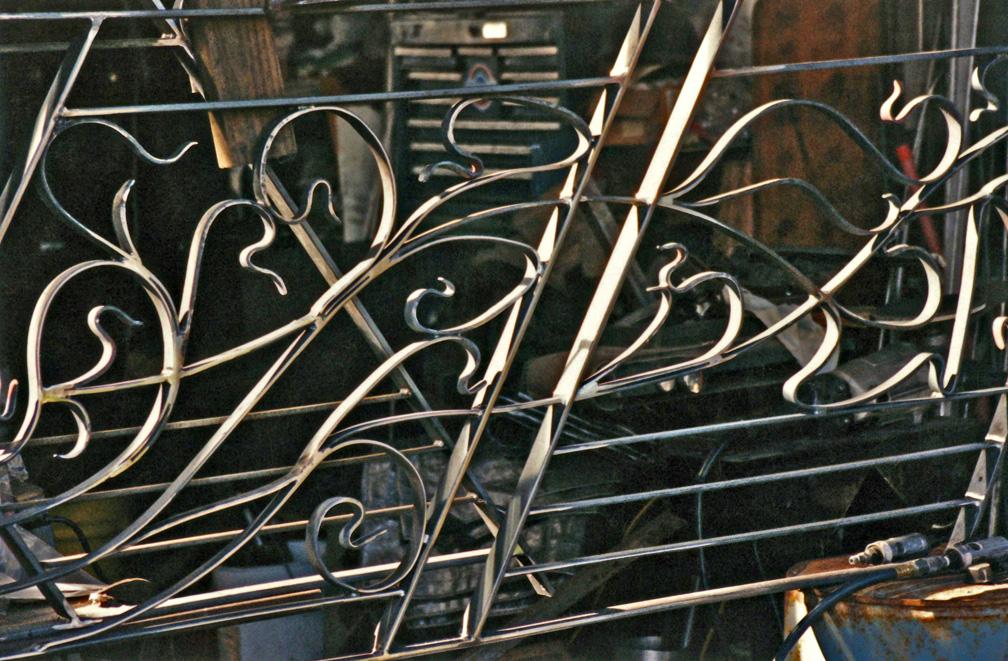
(225, 535)
(492, 149)
(196, 604)
(312, 582)
(313, 6)
(236, 615)
(248, 614)
(107, 44)
(786, 418)
(635, 609)
(519, 176)
(875, 60)
(738, 538)
(559, 508)
(485, 125)
(338, 99)
(207, 422)
(226, 479)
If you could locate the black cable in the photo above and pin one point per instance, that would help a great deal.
(701, 477)
(763, 576)
(828, 602)
(49, 519)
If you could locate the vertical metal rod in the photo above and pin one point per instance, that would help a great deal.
(965, 14)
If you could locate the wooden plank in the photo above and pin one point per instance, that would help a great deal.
(238, 60)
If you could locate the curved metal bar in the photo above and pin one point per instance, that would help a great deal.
(280, 490)
(419, 509)
(584, 141)
(720, 147)
(533, 271)
(39, 394)
(801, 185)
(593, 386)
(118, 214)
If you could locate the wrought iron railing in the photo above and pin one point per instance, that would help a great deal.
(184, 452)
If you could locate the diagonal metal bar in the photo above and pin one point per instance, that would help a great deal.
(379, 344)
(515, 328)
(45, 123)
(985, 479)
(588, 335)
(11, 538)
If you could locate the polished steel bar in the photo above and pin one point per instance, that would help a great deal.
(196, 423)
(786, 418)
(871, 61)
(518, 320)
(563, 507)
(229, 478)
(767, 533)
(101, 44)
(329, 6)
(610, 283)
(344, 99)
(227, 535)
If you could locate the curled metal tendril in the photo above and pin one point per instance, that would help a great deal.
(196, 250)
(999, 329)
(126, 248)
(262, 184)
(953, 126)
(979, 84)
(413, 302)
(308, 202)
(584, 141)
(83, 422)
(943, 373)
(119, 221)
(418, 504)
(533, 269)
(108, 344)
(733, 298)
(67, 393)
(473, 165)
(951, 153)
(9, 393)
(245, 257)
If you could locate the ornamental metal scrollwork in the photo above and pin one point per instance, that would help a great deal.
(485, 341)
